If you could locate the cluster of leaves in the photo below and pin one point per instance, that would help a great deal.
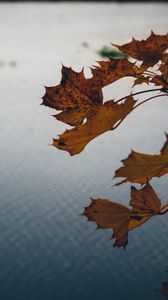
(139, 168)
(80, 101)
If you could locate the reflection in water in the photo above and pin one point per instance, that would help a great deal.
(107, 214)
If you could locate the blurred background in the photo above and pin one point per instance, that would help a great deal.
(47, 250)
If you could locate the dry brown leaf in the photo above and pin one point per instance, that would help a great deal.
(107, 214)
(144, 201)
(74, 117)
(74, 96)
(140, 168)
(150, 51)
(103, 118)
(80, 99)
(162, 80)
(77, 96)
(112, 70)
(141, 80)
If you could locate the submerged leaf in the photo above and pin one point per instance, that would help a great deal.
(107, 214)
(140, 168)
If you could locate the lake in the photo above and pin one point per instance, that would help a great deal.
(47, 250)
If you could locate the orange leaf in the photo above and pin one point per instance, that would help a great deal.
(141, 80)
(76, 96)
(140, 168)
(112, 70)
(145, 202)
(80, 99)
(107, 214)
(74, 117)
(73, 95)
(150, 51)
(163, 78)
(103, 118)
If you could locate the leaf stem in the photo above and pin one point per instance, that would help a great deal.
(150, 73)
(144, 101)
(138, 93)
(162, 212)
(148, 99)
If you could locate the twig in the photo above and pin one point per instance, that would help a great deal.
(144, 101)
(138, 93)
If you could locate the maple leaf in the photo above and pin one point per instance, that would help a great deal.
(111, 70)
(78, 96)
(150, 51)
(73, 95)
(103, 119)
(162, 79)
(80, 99)
(141, 79)
(107, 214)
(140, 168)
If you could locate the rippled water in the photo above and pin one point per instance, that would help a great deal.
(47, 250)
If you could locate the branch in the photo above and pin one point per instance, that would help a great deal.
(150, 73)
(162, 212)
(144, 101)
(141, 92)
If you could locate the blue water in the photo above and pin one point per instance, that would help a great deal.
(47, 250)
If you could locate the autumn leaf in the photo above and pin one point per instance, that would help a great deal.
(77, 96)
(150, 51)
(107, 214)
(145, 200)
(103, 118)
(162, 79)
(140, 168)
(74, 96)
(111, 70)
(141, 79)
(80, 99)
